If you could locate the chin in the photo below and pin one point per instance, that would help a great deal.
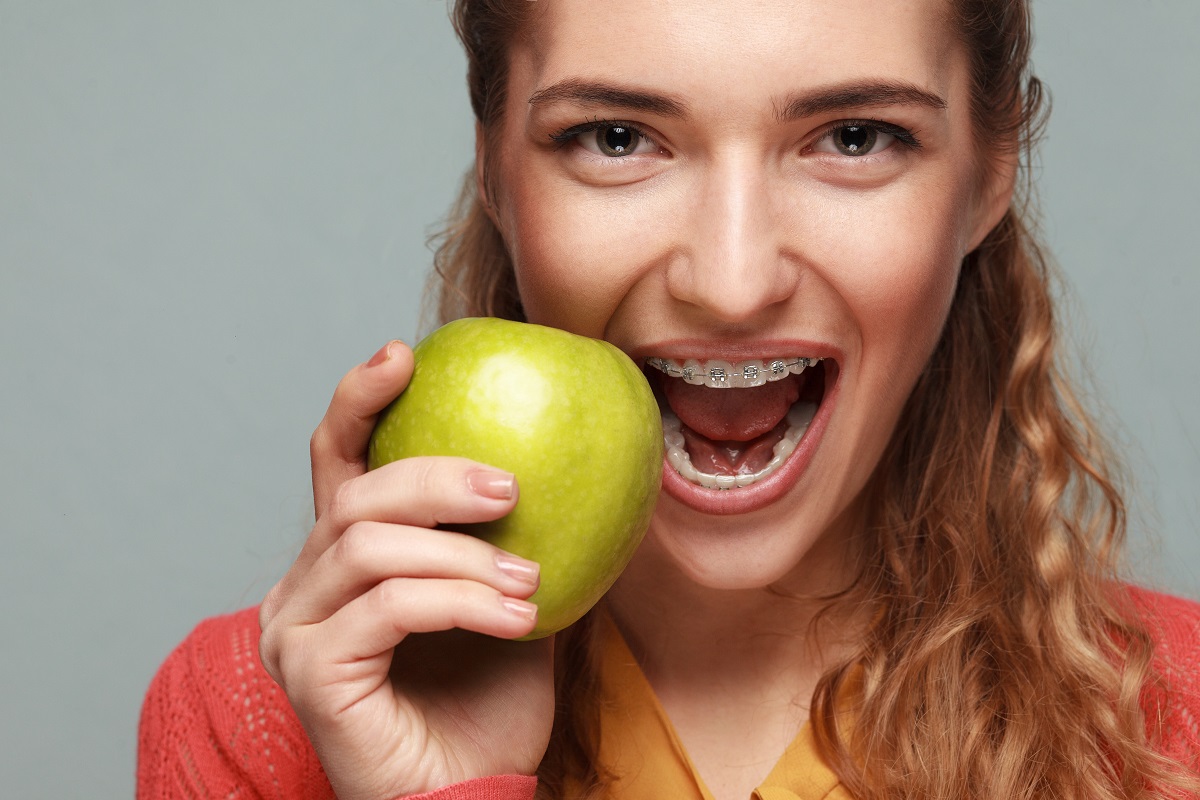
(728, 553)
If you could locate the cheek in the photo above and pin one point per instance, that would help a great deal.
(897, 274)
(896, 280)
(575, 257)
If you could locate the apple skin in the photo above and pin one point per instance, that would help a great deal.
(573, 418)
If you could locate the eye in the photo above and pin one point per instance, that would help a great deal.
(857, 139)
(615, 140)
(609, 139)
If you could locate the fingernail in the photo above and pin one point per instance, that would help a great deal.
(382, 355)
(519, 608)
(519, 568)
(493, 485)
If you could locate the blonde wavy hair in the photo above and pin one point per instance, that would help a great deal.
(1002, 659)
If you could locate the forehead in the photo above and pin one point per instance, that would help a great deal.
(740, 49)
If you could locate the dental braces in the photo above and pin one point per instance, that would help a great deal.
(723, 375)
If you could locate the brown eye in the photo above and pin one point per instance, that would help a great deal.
(859, 138)
(855, 140)
(610, 139)
(617, 140)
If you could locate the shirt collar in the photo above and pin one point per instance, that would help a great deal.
(640, 747)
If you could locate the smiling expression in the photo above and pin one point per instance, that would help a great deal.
(733, 184)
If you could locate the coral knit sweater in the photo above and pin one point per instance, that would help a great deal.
(214, 724)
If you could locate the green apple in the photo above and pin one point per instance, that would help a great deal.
(573, 418)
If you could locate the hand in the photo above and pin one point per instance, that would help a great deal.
(392, 714)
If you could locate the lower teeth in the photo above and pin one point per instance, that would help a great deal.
(798, 419)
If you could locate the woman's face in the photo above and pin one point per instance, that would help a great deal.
(724, 188)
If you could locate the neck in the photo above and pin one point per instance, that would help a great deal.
(734, 669)
(687, 636)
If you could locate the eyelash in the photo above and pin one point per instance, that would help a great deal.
(566, 135)
(902, 135)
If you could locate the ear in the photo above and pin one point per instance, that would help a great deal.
(998, 183)
(481, 181)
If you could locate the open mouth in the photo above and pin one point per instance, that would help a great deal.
(731, 425)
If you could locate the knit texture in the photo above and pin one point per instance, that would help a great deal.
(1174, 624)
(215, 725)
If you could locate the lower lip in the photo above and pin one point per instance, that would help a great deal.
(765, 492)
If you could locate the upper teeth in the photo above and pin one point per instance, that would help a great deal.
(718, 374)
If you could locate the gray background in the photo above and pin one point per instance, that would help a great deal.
(209, 211)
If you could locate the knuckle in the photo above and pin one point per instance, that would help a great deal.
(289, 671)
(423, 475)
(429, 479)
(475, 602)
(291, 664)
(467, 549)
(356, 546)
(266, 609)
(319, 443)
(404, 602)
(343, 506)
(268, 652)
(392, 593)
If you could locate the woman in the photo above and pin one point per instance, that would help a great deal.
(920, 602)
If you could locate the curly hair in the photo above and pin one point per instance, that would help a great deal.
(1002, 658)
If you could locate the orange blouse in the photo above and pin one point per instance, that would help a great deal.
(214, 724)
(640, 746)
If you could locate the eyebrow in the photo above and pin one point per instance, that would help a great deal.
(856, 95)
(824, 100)
(606, 94)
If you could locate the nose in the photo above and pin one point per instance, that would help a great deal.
(732, 261)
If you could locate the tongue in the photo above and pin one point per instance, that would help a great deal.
(732, 431)
(732, 415)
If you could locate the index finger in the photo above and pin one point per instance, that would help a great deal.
(339, 444)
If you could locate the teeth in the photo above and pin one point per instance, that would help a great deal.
(799, 418)
(752, 373)
(718, 374)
